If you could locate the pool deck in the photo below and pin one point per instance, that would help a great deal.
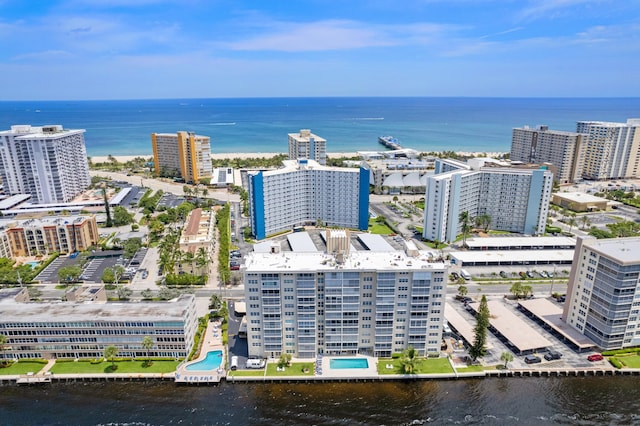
(327, 372)
(211, 341)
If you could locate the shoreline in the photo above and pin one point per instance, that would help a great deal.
(240, 379)
(246, 155)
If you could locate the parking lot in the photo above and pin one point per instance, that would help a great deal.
(569, 359)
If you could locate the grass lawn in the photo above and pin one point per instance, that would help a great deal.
(246, 373)
(84, 367)
(423, 366)
(473, 369)
(296, 369)
(23, 367)
(631, 361)
(379, 228)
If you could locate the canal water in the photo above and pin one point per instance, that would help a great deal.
(522, 401)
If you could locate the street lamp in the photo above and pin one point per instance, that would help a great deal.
(553, 278)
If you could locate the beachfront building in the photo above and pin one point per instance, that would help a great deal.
(603, 294)
(612, 150)
(197, 234)
(49, 234)
(399, 175)
(84, 328)
(182, 155)
(350, 296)
(516, 199)
(305, 192)
(47, 162)
(541, 145)
(307, 145)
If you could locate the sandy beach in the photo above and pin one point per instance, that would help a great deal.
(243, 155)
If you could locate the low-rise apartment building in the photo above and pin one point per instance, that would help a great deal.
(83, 329)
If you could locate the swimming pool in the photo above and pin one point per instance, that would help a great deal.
(33, 265)
(211, 362)
(344, 363)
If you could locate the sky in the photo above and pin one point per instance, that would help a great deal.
(139, 49)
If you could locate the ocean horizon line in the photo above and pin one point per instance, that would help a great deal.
(318, 97)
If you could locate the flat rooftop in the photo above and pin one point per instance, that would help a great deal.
(358, 260)
(550, 313)
(12, 311)
(579, 197)
(518, 332)
(462, 326)
(517, 242)
(624, 250)
(513, 257)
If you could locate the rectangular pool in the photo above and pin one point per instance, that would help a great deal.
(345, 363)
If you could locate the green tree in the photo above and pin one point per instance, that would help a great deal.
(69, 274)
(147, 344)
(584, 220)
(147, 294)
(3, 346)
(202, 258)
(507, 357)
(110, 352)
(124, 293)
(284, 360)
(483, 221)
(478, 349)
(465, 221)
(516, 289)
(121, 216)
(215, 303)
(462, 290)
(409, 360)
(106, 207)
(118, 271)
(131, 246)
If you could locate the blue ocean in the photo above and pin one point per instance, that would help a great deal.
(348, 124)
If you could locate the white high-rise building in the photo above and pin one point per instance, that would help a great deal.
(541, 145)
(48, 162)
(303, 192)
(307, 145)
(612, 150)
(343, 301)
(603, 294)
(515, 199)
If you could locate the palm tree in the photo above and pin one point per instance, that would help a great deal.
(110, 352)
(585, 221)
(147, 344)
(202, 257)
(507, 357)
(464, 219)
(409, 360)
(187, 257)
(571, 222)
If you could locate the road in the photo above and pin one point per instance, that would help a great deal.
(174, 188)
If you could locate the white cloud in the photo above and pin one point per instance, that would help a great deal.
(46, 55)
(552, 8)
(338, 35)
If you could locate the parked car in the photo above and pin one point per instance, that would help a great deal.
(530, 274)
(503, 274)
(552, 355)
(595, 357)
(550, 274)
(466, 299)
(455, 275)
(544, 274)
(532, 359)
(561, 299)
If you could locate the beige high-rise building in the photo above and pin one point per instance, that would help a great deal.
(612, 150)
(184, 154)
(307, 145)
(539, 145)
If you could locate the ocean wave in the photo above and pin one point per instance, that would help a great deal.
(224, 124)
(367, 118)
